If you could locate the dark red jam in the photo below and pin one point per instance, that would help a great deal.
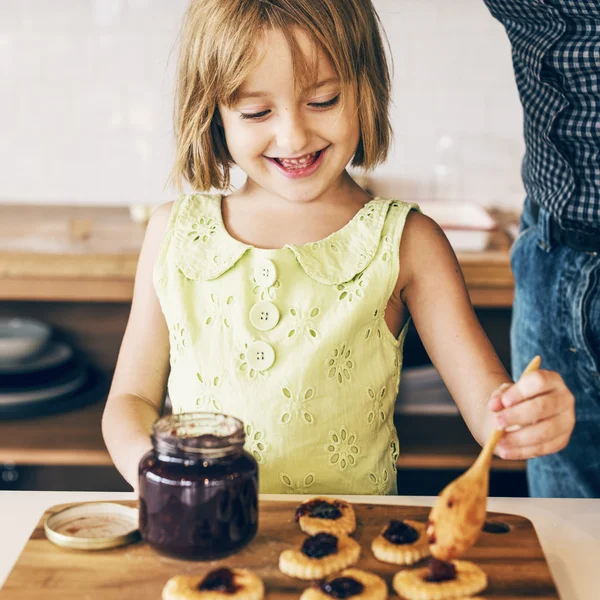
(320, 545)
(440, 570)
(198, 487)
(220, 580)
(342, 587)
(319, 509)
(398, 532)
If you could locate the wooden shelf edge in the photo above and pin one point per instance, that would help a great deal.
(55, 458)
(66, 290)
(482, 297)
(458, 462)
(68, 265)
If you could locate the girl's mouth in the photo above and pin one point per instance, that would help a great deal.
(299, 167)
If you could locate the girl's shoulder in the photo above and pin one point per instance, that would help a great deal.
(421, 232)
(180, 213)
(158, 224)
(187, 206)
(160, 216)
(423, 247)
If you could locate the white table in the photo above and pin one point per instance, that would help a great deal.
(569, 530)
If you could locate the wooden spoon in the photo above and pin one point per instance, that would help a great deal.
(456, 520)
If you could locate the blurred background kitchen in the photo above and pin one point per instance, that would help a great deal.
(85, 149)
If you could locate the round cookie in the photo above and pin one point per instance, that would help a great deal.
(320, 555)
(233, 584)
(413, 584)
(401, 543)
(326, 515)
(370, 587)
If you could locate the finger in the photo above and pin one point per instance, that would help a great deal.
(532, 410)
(495, 401)
(526, 452)
(531, 385)
(542, 431)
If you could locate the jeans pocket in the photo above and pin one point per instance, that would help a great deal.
(590, 321)
(518, 243)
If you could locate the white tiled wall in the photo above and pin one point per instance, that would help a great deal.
(86, 85)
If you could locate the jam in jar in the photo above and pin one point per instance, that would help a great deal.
(198, 487)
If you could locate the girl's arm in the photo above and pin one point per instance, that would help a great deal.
(137, 392)
(433, 289)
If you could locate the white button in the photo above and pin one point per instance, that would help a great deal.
(260, 356)
(264, 316)
(265, 273)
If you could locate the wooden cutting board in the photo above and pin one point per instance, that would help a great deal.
(514, 561)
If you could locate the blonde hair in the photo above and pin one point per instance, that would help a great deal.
(216, 56)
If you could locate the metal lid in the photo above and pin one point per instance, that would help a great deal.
(93, 526)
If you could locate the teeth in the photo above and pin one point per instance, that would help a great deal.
(298, 162)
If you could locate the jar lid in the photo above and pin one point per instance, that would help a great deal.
(93, 526)
(198, 433)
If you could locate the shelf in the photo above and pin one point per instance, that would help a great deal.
(75, 439)
(71, 438)
(441, 442)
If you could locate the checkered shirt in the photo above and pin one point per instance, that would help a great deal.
(556, 58)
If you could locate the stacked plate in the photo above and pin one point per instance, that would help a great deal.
(40, 375)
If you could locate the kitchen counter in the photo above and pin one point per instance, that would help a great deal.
(569, 530)
(90, 254)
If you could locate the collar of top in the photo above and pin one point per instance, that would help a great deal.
(206, 250)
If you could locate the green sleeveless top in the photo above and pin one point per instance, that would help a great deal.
(292, 341)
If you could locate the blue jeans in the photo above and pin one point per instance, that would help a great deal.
(556, 314)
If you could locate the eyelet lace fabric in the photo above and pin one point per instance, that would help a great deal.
(319, 417)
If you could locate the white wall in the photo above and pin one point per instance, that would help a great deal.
(86, 85)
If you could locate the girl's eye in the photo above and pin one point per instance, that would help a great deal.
(264, 113)
(258, 115)
(326, 104)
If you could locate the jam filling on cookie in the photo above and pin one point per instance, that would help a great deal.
(319, 509)
(219, 580)
(342, 587)
(320, 545)
(398, 532)
(440, 570)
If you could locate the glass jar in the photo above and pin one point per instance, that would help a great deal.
(198, 487)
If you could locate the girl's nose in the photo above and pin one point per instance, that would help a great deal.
(291, 134)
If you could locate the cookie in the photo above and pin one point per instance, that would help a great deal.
(326, 515)
(233, 584)
(401, 543)
(319, 556)
(415, 584)
(350, 583)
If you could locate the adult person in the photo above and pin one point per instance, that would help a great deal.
(556, 258)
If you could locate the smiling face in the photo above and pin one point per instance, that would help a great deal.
(292, 143)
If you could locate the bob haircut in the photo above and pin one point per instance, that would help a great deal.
(218, 38)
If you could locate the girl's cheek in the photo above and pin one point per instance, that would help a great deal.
(344, 127)
(241, 139)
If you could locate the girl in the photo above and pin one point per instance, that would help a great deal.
(286, 302)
